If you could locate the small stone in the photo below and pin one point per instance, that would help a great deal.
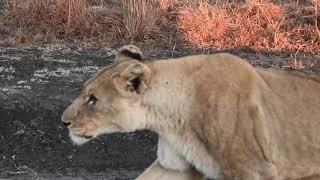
(70, 157)
(43, 160)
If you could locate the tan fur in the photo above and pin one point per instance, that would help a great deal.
(215, 115)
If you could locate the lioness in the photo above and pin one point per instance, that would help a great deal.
(216, 116)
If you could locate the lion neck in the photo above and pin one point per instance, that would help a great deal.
(168, 98)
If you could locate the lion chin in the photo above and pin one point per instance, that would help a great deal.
(78, 140)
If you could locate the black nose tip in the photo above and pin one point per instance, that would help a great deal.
(66, 123)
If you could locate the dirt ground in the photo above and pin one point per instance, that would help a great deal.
(38, 82)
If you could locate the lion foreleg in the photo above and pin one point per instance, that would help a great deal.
(169, 165)
(157, 172)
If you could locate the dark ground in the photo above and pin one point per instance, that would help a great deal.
(37, 83)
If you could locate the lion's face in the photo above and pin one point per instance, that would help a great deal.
(110, 102)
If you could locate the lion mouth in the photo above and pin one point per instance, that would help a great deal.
(80, 139)
(87, 137)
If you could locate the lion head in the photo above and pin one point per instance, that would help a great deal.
(110, 101)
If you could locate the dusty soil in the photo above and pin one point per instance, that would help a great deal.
(38, 82)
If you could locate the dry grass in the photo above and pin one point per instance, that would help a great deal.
(278, 25)
(34, 19)
(140, 17)
(257, 24)
(75, 20)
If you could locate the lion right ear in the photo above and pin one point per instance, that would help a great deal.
(128, 52)
(134, 78)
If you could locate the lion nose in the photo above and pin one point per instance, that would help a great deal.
(64, 120)
(68, 115)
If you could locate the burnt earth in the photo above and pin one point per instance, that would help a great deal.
(38, 82)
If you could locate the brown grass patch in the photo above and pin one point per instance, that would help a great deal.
(278, 25)
(257, 24)
(140, 17)
(76, 20)
(60, 19)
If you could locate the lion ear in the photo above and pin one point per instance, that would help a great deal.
(128, 52)
(134, 78)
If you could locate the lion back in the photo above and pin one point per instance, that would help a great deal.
(291, 101)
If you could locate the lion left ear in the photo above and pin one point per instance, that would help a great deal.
(128, 52)
(135, 78)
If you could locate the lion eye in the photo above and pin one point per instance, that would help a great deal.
(92, 100)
